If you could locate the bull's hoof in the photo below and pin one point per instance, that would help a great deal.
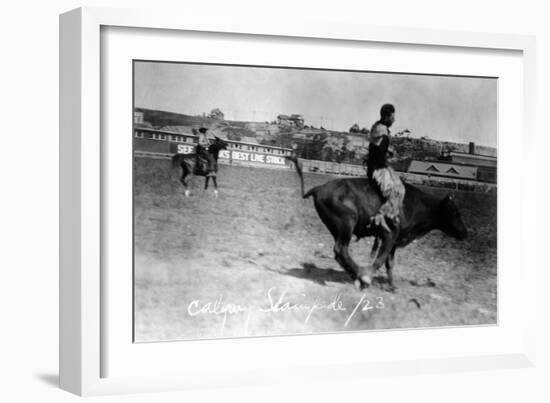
(389, 288)
(362, 282)
(366, 280)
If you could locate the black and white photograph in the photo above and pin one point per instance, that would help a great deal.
(275, 201)
(271, 201)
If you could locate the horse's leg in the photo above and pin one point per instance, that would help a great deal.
(184, 178)
(171, 171)
(172, 176)
(206, 180)
(215, 185)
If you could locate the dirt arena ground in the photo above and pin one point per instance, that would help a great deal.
(258, 261)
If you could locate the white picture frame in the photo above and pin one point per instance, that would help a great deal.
(82, 173)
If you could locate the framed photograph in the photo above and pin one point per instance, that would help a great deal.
(242, 203)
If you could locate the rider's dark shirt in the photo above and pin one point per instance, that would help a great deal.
(378, 155)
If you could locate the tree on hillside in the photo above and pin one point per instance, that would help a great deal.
(355, 128)
(339, 156)
(216, 113)
(234, 137)
(327, 154)
(404, 133)
(345, 153)
(313, 149)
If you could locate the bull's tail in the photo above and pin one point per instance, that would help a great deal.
(298, 166)
(311, 192)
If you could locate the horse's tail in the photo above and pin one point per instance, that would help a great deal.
(298, 166)
(175, 161)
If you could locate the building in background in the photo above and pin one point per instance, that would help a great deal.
(292, 120)
(138, 117)
(440, 169)
(486, 164)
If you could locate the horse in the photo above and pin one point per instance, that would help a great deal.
(194, 164)
(347, 205)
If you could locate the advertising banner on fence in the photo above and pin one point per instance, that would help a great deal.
(235, 155)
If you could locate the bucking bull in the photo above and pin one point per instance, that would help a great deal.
(346, 207)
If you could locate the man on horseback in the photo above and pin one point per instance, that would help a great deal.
(378, 171)
(202, 150)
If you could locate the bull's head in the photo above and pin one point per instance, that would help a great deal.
(450, 219)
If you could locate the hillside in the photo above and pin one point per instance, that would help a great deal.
(310, 142)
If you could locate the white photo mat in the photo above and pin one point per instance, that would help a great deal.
(124, 366)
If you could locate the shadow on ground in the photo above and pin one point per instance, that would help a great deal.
(310, 271)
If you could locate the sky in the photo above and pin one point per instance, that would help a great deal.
(448, 108)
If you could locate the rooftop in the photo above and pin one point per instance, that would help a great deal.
(441, 169)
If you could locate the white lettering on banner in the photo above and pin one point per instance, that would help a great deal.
(237, 155)
(185, 149)
(252, 157)
(257, 158)
(275, 160)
